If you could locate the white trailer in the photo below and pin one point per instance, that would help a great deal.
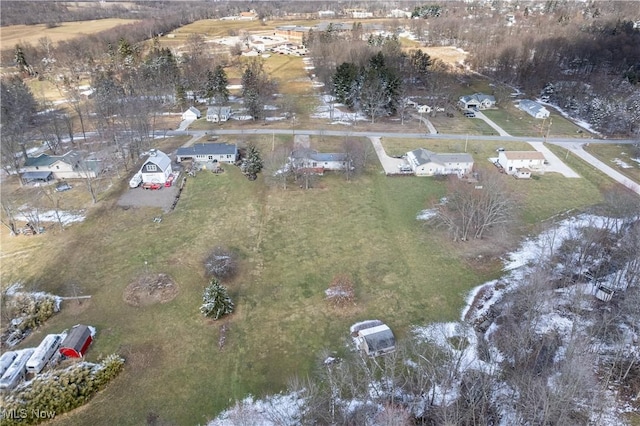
(16, 371)
(43, 353)
(6, 360)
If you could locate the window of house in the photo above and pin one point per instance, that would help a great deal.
(151, 168)
(58, 167)
(228, 155)
(37, 168)
(314, 164)
(211, 157)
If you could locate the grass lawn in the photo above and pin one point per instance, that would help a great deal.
(519, 123)
(618, 157)
(291, 243)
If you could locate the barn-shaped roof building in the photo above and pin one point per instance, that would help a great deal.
(77, 341)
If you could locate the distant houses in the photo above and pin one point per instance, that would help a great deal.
(534, 109)
(426, 163)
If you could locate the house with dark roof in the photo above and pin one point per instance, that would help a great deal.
(317, 161)
(67, 166)
(375, 341)
(208, 152)
(534, 109)
(157, 168)
(477, 101)
(426, 163)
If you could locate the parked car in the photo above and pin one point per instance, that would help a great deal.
(469, 113)
(63, 186)
(151, 185)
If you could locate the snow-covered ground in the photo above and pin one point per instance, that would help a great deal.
(65, 217)
(336, 112)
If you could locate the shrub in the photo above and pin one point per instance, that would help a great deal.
(221, 263)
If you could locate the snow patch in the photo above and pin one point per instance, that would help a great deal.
(427, 214)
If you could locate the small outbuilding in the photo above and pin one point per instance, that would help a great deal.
(374, 338)
(522, 173)
(77, 342)
(192, 113)
(157, 168)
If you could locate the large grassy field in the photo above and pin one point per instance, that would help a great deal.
(14, 34)
(290, 244)
(518, 123)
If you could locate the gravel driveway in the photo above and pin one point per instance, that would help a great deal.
(138, 197)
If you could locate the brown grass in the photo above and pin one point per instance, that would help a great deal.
(23, 34)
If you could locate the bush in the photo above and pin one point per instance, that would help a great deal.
(221, 263)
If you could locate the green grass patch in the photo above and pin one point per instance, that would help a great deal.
(609, 153)
(587, 171)
(519, 123)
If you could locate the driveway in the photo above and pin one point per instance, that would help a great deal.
(490, 122)
(432, 129)
(555, 164)
(390, 165)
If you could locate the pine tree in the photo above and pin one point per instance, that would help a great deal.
(345, 83)
(253, 164)
(216, 301)
(220, 83)
(21, 61)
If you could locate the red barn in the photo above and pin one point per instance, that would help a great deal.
(77, 341)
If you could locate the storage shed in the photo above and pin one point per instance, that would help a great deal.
(375, 341)
(77, 341)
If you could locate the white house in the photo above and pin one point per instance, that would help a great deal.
(157, 168)
(192, 113)
(217, 114)
(68, 166)
(399, 13)
(317, 161)
(209, 152)
(427, 163)
(326, 14)
(512, 161)
(534, 109)
(477, 101)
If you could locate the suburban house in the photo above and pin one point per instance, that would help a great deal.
(534, 109)
(375, 340)
(218, 114)
(318, 162)
(248, 16)
(157, 168)
(326, 14)
(77, 342)
(192, 113)
(426, 163)
(512, 161)
(67, 166)
(209, 152)
(477, 101)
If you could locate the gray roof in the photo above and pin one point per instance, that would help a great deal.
(207, 149)
(382, 338)
(158, 158)
(44, 160)
(318, 156)
(424, 156)
(530, 106)
(221, 110)
(76, 337)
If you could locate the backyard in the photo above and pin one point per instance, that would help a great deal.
(290, 244)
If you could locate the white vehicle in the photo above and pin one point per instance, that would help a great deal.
(16, 371)
(6, 360)
(135, 181)
(43, 353)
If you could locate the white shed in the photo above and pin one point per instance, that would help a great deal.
(157, 168)
(534, 109)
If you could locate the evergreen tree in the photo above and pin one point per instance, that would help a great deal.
(220, 83)
(253, 164)
(21, 61)
(345, 83)
(216, 301)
